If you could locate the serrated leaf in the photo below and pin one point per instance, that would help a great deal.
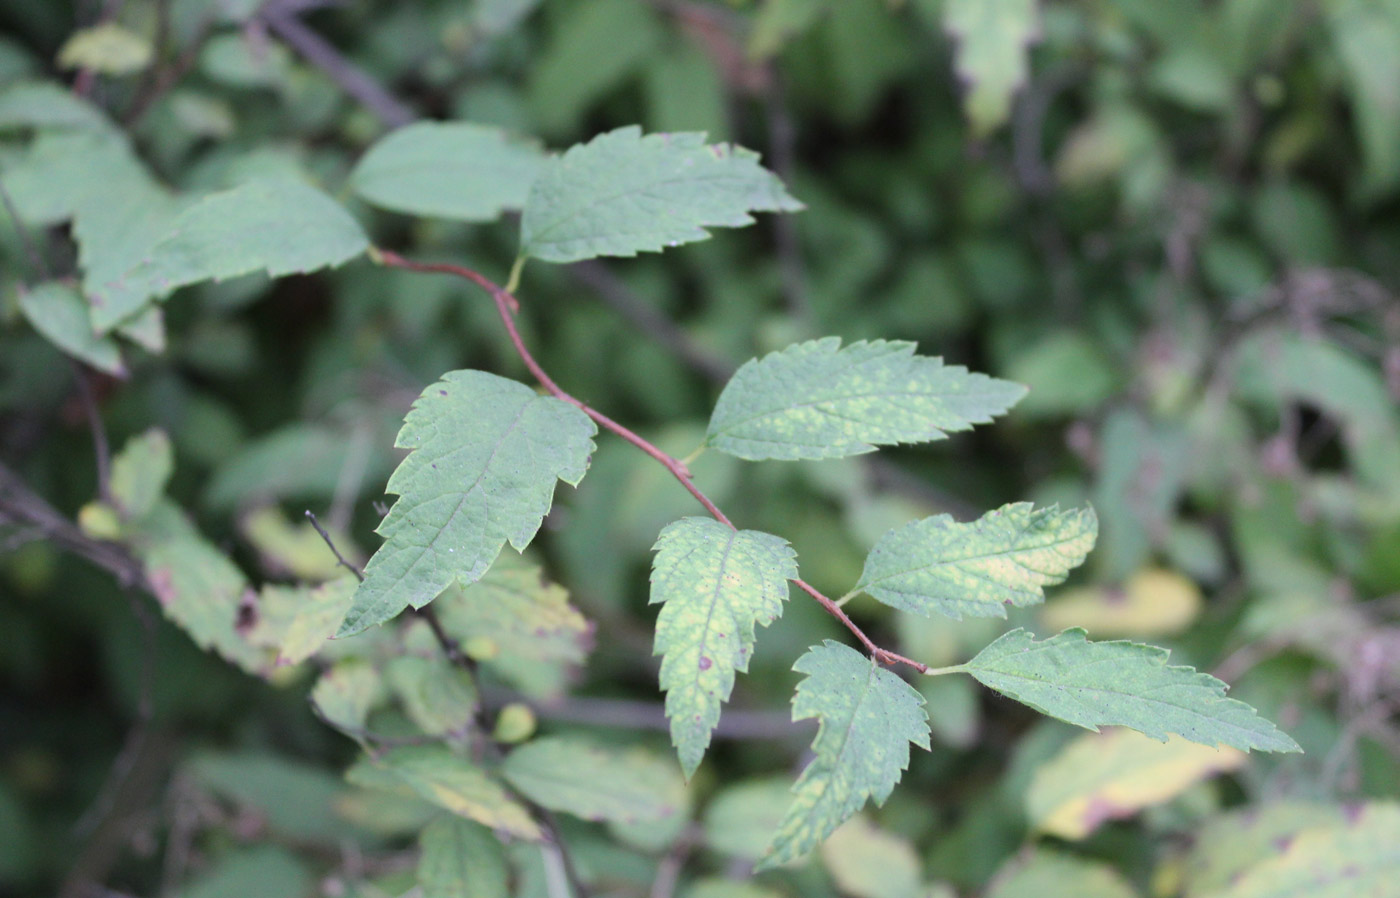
(993, 54)
(486, 453)
(457, 170)
(622, 193)
(140, 472)
(60, 314)
(535, 635)
(280, 225)
(818, 400)
(1121, 683)
(1116, 773)
(461, 859)
(714, 583)
(866, 715)
(593, 782)
(344, 695)
(1358, 857)
(437, 696)
(459, 786)
(1006, 557)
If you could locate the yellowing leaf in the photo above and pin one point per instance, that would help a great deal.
(1116, 773)
(1231, 843)
(108, 49)
(1154, 602)
(1358, 857)
(296, 548)
(459, 786)
(868, 862)
(296, 621)
(140, 472)
(344, 695)
(992, 54)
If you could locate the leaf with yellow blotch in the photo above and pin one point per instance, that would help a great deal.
(1154, 602)
(454, 783)
(296, 621)
(1116, 773)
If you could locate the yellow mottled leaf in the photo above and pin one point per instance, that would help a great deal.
(108, 49)
(1154, 602)
(1116, 773)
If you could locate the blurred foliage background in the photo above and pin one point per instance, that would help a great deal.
(1176, 222)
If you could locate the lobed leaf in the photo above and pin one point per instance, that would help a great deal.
(714, 584)
(623, 193)
(1121, 683)
(457, 170)
(1007, 557)
(592, 782)
(486, 453)
(819, 400)
(866, 716)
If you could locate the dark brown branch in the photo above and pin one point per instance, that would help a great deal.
(278, 16)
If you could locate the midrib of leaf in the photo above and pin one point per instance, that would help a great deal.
(643, 191)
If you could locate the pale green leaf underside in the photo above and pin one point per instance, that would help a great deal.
(1006, 557)
(456, 170)
(1355, 858)
(1121, 683)
(592, 782)
(280, 225)
(714, 583)
(622, 193)
(867, 716)
(61, 314)
(817, 400)
(992, 54)
(487, 451)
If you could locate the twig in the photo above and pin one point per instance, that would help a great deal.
(782, 139)
(326, 537)
(506, 305)
(100, 448)
(350, 77)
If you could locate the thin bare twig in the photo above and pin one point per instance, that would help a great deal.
(326, 537)
(100, 449)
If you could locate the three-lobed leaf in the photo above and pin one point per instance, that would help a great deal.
(486, 453)
(867, 716)
(714, 584)
(456, 170)
(623, 193)
(1121, 683)
(1007, 557)
(818, 400)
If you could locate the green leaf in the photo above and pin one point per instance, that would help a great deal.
(741, 818)
(108, 49)
(1366, 35)
(866, 715)
(1231, 843)
(622, 193)
(817, 400)
(1006, 557)
(291, 798)
(260, 870)
(461, 859)
(487, 451)
(456, 170)
(461, 787)
(519, 624)
(46, 104)
(344, 695)
(992, 55)
(62, 168)
(60, 314)
(296, 621)
(592, 782)
(1051, 873)
(715, 584)
(437, 696)
(779, 21)
(868, 862)
(1358, 857)
(1121, 683)
(140, 472)
(280, 225)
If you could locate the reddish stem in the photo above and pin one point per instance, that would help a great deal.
(507, 306)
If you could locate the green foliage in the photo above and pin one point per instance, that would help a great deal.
(486, 454)
(714, 584)
(623, 193)
(818, 400)
(1121, 683)
(866, 715)
(1006, 558)
(593, 782)
(992, 56)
